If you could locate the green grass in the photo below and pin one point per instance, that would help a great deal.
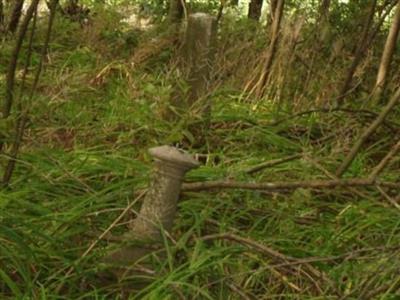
(85, 159)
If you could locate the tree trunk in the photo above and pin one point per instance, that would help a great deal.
(176, 10)
(15, 16)
(22, 119)
(362, 46)
(255, 8)
(10, 77)
(272, 8)
(272, 48)
(220, 10)
(387, 56)
(1, 15)
(323, 27)
(324, 10)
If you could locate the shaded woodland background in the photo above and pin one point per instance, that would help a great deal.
(296, 128)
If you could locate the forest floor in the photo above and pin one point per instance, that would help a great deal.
(84, 160)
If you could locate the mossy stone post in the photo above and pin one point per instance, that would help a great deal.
(159, 206)
(199, 52)
(195, 68)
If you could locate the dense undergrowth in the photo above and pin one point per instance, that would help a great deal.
(84, 159)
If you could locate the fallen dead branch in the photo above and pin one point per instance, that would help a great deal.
(392, 125)
(388, 198)
(367, 133)
(332, 176)
(247, 242)
(352, 255)
(271, 163)
(284, 261)
(385, 161)
(312, 273)
(283, 185)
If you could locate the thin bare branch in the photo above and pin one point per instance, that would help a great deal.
(367, 133)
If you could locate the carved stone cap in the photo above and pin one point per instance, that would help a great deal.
(174, 156)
